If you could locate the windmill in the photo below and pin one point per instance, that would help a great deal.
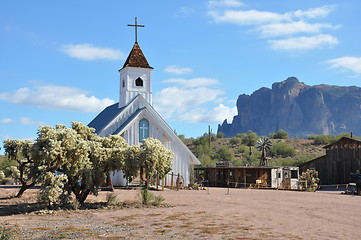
(263, 145)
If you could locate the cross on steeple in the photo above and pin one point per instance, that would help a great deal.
(136, 28)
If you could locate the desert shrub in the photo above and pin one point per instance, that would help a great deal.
(8, 232)
(311, 177)
(158, 200)
(249, 138)
(111, 199)
(207, 160)
(235, 140)
(224, 154)
(322, 139)
(148, 198)
(282, 149)
(220, 135)
(243, 149)
(281, 134)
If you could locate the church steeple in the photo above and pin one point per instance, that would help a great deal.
(136, 58)
(135, 76)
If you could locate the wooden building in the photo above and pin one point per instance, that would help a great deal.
(248, 176)
(342, 158)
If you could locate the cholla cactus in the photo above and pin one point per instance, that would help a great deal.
(311, 177)
(2, 174)
(155, 158)
(52, 189)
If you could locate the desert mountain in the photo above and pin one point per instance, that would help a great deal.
(297, 108)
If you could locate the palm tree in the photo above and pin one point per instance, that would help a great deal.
(263, 145)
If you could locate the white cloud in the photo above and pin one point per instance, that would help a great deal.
(217, 114)
(174, 69)
(224, 3)
(190, 101)
(280, 29)
(249, 17)
(347, 63)
(293, 24)
(57, 98)
(6, 120)
(87, 51)
(177, 100)
(29, 121)
(304, 43)
(323, 11)
(194, 82)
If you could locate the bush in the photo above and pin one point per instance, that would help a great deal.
(281, 134)
(224, 154)
(281, 149)
(235, 140)
(322, 139)
(111, 199)
(148, 198)
(220, 135)
(250, 138)
(243, 149)
(8, 232)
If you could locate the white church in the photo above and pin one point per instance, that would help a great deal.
(135, 119)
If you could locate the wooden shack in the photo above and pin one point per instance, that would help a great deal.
(342, 158)
(248, 176)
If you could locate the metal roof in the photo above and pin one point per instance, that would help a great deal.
(105, 117)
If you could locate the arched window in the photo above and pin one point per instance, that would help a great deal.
(123, 83)
(143, 129)
(139, 82)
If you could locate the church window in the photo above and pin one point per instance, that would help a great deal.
(143, 129)
(123, 83)
(139, 82)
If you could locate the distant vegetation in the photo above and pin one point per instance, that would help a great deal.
(241, 149)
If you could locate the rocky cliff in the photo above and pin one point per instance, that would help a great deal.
(297, 108)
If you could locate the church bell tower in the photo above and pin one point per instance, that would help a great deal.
(136, 75)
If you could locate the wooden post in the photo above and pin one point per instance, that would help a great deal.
(157, 181)
(178, 182)
(245, 178)
(171, 181)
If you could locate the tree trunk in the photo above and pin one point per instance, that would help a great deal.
(23, 188)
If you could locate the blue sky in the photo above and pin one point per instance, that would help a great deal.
(59, 60)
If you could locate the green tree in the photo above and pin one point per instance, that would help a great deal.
(280, 134)
(224, 154)
(235, 140)
(281, 149)
(250, 138)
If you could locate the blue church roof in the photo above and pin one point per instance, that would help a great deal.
(105, 117)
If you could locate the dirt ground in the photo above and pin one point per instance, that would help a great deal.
(192, 214)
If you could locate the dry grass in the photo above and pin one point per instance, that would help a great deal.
(74, 229)
(42, 229)
(129, 217)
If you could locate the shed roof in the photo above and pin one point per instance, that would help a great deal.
(344, 142)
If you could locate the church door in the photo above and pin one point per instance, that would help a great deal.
(143, 129)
